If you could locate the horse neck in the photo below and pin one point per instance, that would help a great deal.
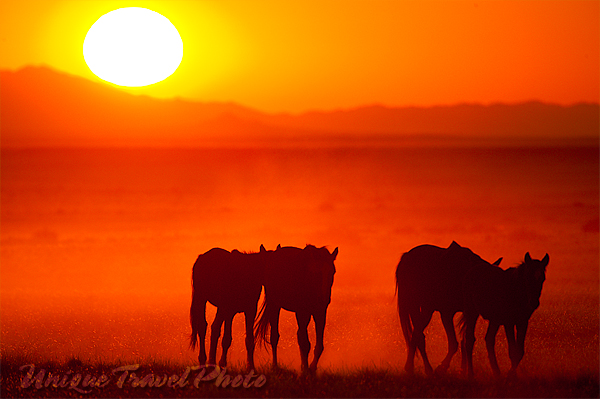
(519, 289)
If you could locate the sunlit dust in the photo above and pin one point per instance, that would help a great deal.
(365, 128)
(133, 47)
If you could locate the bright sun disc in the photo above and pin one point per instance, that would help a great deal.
(133, 47)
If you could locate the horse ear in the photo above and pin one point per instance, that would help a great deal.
(527, 257)
(545, 260)
(262, 248)
(497, 263)
(334, 254)
(278, 246)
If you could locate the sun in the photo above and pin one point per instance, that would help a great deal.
(133, 47)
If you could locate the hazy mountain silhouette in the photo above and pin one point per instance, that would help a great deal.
(44, 107)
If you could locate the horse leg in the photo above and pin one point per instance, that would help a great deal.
(419, 337)
(448, 322)
(409, 367)
(512, 346)
(274, 321)
(227, 338)
(519, 348)
(413, 316)
(215, 333)
(303, 319)
(249, 316)
(490, 344)
(469, 338)
(320, 320)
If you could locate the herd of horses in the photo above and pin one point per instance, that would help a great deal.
(297, 280)
(428, 279)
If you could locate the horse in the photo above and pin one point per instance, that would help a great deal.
(506, 298)
(231, 281)
(300, 281)
(428, 279)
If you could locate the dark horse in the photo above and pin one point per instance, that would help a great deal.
(300, 281)
(429, 279)
(231, 281)
(506, 298)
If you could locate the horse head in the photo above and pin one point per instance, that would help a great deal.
(321, 266)
(532, 273)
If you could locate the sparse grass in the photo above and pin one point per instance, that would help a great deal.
(361, 382)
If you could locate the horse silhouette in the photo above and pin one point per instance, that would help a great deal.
(231, 281)
(300, 281)
(506, 298)
(429, 279)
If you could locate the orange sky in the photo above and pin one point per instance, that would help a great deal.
(281, 56)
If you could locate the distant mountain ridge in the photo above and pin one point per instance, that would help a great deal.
(42, 107)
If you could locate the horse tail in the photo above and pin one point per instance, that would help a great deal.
(197, 316)
(261, 329)
(404, 315)
(468, 282)
(405, 322)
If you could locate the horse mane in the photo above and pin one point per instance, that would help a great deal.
(235, 251)
(312, 247)
(519, 267)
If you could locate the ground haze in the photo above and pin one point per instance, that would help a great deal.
(98, 245)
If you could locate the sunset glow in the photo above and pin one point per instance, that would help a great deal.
(301, 56)
(307, 192)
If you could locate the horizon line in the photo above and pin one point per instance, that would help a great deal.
(441, 141)
(128, 90)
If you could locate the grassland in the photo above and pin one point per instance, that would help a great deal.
(363, 382)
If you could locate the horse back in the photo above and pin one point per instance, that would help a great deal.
(431, 276)
(294, 281)
(228, 278)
